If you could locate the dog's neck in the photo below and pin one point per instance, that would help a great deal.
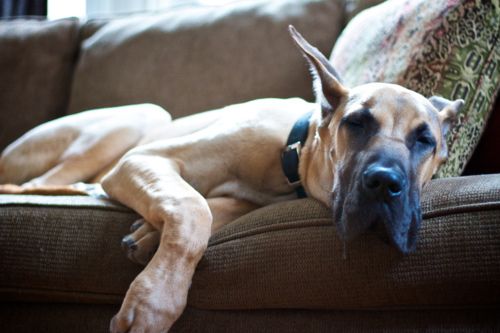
(291, 155)
(315, 177)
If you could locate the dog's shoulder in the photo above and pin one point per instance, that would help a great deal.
(265, 118)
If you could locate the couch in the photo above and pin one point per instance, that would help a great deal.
(278, 269)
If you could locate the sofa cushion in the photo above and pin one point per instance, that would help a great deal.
(355, 321)
(287, 256)
(202, 57)
(63, 249)
(36, 65)
(446, 48)
(85, 318)
(281, 256)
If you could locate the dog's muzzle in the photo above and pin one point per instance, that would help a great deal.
(382, 193)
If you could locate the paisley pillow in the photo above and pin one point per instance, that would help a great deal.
(446, 48)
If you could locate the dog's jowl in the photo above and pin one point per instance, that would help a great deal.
(365, 152)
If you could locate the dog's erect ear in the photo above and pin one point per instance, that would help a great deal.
(448, 111)
(327, 86)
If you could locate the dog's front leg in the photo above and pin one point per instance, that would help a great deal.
(153, 187)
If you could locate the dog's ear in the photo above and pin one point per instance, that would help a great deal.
(448, 111)
(327, 84)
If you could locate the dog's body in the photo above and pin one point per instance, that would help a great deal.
(369, 148)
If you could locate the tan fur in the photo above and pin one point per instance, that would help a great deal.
(188, 186)
(191, 176)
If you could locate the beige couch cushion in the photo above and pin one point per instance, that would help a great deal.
(199, 58)
(36, 64)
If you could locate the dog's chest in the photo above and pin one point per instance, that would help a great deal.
(243, 164)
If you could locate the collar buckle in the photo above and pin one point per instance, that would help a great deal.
(290, 155)
(291, 149)
(297, 146)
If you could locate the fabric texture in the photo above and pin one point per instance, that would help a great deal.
(287, 256)
(300, 321)
(63, 249)
(84, 318)
(67, 249)
(36, 65)
(199, 58)
(445, 48)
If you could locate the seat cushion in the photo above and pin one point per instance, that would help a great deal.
(287, 256)
(281, 256)
(36, 66)
(63, 249)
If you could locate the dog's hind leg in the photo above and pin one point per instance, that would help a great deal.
(35, 153)
(77, 147)
(92, 151)
(141, 244)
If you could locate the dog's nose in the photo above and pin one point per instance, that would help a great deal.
(384, 181)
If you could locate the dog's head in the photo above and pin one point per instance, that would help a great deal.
(383, 143)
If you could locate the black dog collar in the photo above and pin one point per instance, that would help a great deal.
(291, 154)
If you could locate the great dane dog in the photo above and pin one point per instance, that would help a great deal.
(366, 153)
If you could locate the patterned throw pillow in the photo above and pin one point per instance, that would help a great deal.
(447, 48)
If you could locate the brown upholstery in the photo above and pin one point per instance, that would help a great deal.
(244, 53)
(70, 249)
(42, 54)
(84, 318)
(353, 321)
(281, 256)
(290, 258)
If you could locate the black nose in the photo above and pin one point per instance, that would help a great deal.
(383, 181)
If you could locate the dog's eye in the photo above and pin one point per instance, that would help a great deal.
(354, 123)
(423, 137)
(426, 140)
(361, 123)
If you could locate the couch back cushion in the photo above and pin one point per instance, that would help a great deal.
(192, 59)
(36, 64)
(446, 48)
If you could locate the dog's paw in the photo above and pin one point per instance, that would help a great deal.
(142, 243)
(149, 306)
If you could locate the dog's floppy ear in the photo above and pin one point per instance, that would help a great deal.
(327, 86)
(448, 111)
